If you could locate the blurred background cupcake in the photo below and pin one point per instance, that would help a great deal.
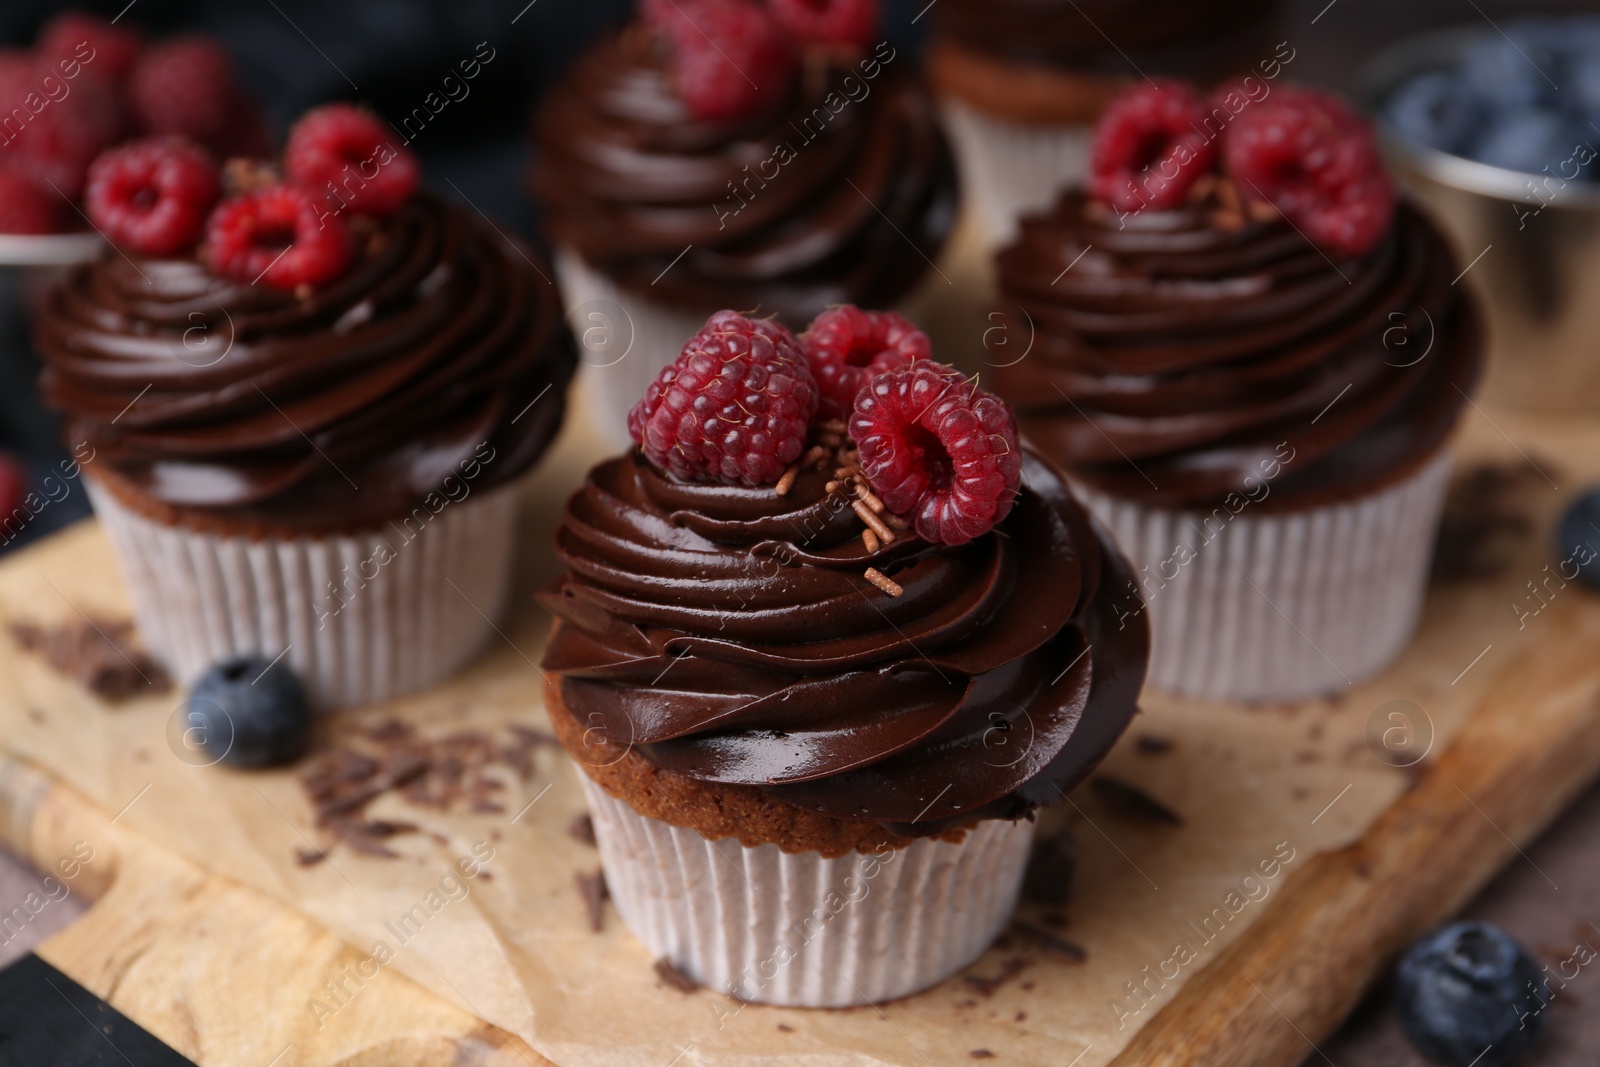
(1251, 360)
(1023, 81)
(774, 158)
(301, 401)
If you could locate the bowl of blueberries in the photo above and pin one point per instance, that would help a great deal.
(1498, 132)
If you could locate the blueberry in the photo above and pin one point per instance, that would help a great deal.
(250, 712)
(1528, 139)
(1469, 994)
(1507, 70)
(1438, 109)
(1578, 538)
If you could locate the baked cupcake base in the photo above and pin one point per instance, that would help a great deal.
(1012, 168)
(1280, 605)
(361, 617)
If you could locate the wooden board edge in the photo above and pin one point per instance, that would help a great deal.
(1292, 978)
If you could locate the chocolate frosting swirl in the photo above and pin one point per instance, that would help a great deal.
(842, 194)
(342, 409)
(730, 634)
(1122, 37)
(1178, 359)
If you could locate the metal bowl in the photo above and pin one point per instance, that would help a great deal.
(1528, 243)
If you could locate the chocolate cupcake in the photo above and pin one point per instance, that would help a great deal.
(1023, 81)
(305, 437)
(851, 680)
(1252, 377)
(673, 186)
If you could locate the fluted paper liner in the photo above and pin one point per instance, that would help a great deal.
(1010, 169)
(360, 617)
(801, 930)
(1280, 606)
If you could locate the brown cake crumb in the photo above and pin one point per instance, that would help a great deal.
(674, 977)
(1051, 868)
(1485, 515)
(1151, 745)
(592, 888)
(1131, 800)
(1052, 945)
(463, 769)
(98, 654)
(581, 830)
(986, 985)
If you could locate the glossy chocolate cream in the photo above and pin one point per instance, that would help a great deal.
(1122, 37)
(441, 352)
(1175, 360)
(843, 194)
(730, 634)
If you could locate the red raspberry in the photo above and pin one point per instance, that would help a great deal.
(26, 207)
(847, 346)
(349, 156)
(112, 50)
(152, 196)
(1150, 147)
(1318, 163)
(68, 121)
(187, 86)
(938, 450)
(279, 234)
(847, 23)
(731, 58)
(735, 407)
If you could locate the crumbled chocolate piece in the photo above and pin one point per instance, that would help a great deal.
(985, 985)
(674, 977)
(1052, 945)
(1485, 516)
(981, 1054)
(581, 830)
(1131, 800)
(309, 857)
(98, 654)
(1151, 745)
(786, 1028)
(592, 888)
(460, 770)
(1051, 868)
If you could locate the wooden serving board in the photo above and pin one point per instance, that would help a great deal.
(209, 936)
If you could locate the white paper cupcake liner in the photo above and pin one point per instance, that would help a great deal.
(623, 342)
(800, 930)
(1280, 606)
(1010, 169)
(364, 617)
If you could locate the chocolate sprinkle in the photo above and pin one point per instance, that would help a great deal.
(581, 830)
(592, 888)
(1054, 946)
(98, 654)
(986, 985)
(1051, 868)
(1133, 801)
(1151, 745)
(674, 977)
(1485, 516)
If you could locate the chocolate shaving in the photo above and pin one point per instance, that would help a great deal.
(1151, 745)
(1133, 801)
(674, 977)
(986, 985)
(1485, 516)
(1054, 946)
(98, 654)
(1051, 868)
(581, 830)
(465, 769)
(592, 888)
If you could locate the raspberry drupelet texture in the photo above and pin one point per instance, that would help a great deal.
(153, 196)
(278, 235)
(938, 450)
(26, 207)
(185, 86)
(841, 23)
(349, 156)
(1318, 163)
(1150, 146)
(731, 57)
(846, 346)
(734, 407)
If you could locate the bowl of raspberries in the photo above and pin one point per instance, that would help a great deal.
(86, 85)
(1497, 131)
